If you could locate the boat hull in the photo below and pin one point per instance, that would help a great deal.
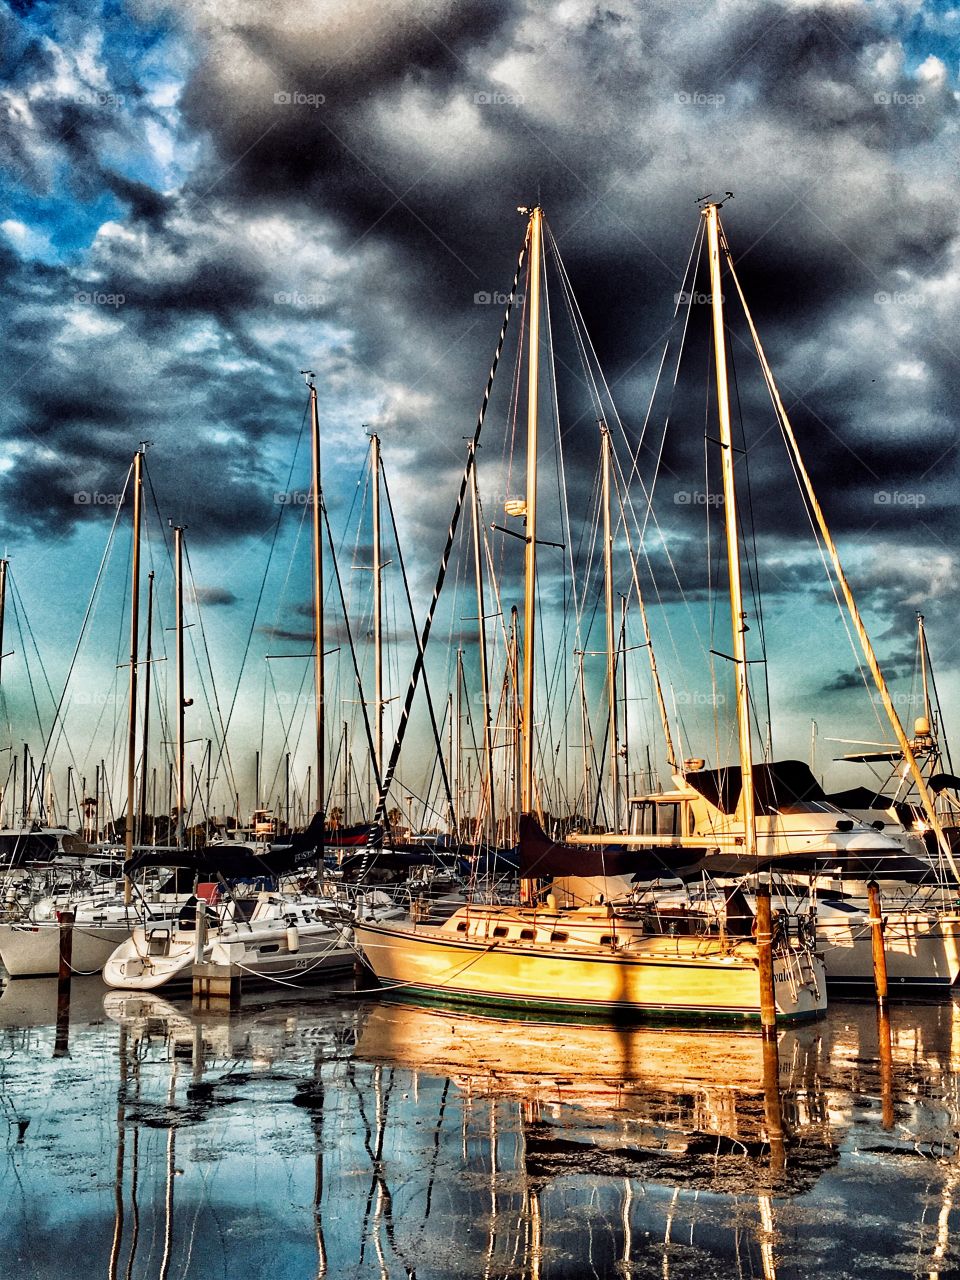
(265, 957)
(33, 950)
(683, 979)
(922, 951)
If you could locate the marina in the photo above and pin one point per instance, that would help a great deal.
(479, 579)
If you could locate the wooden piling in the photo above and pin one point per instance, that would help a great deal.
(879, 955)
(216, 986)
(772, 1105)
(61, 1046)
(885, 1047)
(768, 999)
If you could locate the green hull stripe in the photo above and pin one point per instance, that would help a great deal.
(566, 1011)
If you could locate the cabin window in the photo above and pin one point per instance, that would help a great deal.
(655, 818)
(462, 926)
(606, 940)
(527, 935)
(268, 947)
(557, 936)
(500, 931)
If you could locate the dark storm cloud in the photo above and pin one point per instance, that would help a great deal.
(362, 166)
(215, 596)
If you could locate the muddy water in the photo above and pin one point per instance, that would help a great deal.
(324, 1134)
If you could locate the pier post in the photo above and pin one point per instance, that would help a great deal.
(772, 1105)
(879, 955)
(216, 986)
(886, 1068)
(768, 999)
(61, 1045)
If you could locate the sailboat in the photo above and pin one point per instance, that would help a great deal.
(602, 959)
(777, 812)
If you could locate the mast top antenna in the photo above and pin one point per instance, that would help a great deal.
(706, 201)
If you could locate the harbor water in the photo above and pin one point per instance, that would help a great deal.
(331, 1133)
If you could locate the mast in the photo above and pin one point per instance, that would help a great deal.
(377, 604)
(134, 656)
(530, 557)
(612, 735)
(922, 645)
(737, 616)
(484, 672)
(458, 776)
(181, 700)
(146, 707)
(3, 602)
(624, 691)
(317, 496)
(871, 658)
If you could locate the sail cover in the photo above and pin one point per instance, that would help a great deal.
(776, 786)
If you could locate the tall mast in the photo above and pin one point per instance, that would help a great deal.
(377, 605)
(317, 497)
(181, 700)
(922, 645)
(134, 655)
(530, 558)
(3, 602)
(737, 616)
(624, 691)
(871, 658)
(146, 709)
(487, 785)
(612, 735)
(514, 651)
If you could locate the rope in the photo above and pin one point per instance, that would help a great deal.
(385, 782)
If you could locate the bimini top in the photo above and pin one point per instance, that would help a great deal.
(783, 785)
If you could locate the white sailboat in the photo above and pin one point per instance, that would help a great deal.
(605, 959)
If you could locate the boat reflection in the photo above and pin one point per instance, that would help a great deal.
(337, 1137)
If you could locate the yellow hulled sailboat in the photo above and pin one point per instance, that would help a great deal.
(607, 960)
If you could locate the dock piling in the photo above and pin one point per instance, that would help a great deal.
(768, 999)
(61, 1045)
(879, 955)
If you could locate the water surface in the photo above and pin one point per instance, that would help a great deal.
(322, 1133)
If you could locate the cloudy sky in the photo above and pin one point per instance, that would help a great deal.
(200, 199)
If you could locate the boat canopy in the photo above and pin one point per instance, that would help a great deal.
(784, 784)
(541, 857)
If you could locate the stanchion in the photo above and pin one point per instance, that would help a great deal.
(768, 999)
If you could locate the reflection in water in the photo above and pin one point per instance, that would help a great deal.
(339, 1137)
